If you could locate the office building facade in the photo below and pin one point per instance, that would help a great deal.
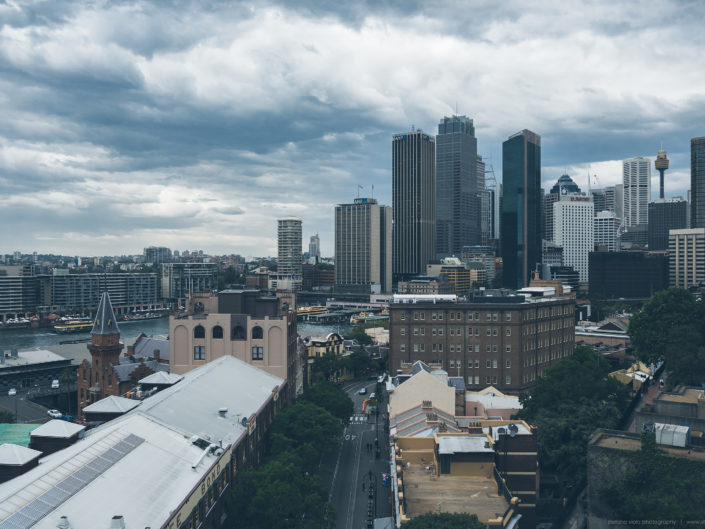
(157, 255)
(636, 179)
(606, 226)
(521, 225)
(363, 244)
(697, 182)
(502, 340)
(665, 215)
(573, 220)
(565, 185)
(314, 249)
(628, 275)
(413, 203)
(686, 251)
(457, 201)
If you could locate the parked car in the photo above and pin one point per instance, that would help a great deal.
(12, 392)
(55, 414)
(55, 384)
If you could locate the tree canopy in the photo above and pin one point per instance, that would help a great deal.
(305, 423)
(671, 325)
(444, 520)
(567, 404)
(331, 398)
(656, 486)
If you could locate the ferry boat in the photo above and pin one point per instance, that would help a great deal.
(72, 326)
(303, 312)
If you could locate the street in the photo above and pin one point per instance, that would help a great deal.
(26, 410)
(354, 467)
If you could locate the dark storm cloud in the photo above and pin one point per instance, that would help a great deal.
(198, 124)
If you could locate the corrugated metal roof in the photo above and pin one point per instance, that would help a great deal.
(161, 377)
(112, 404)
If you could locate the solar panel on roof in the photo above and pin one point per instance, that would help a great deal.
(100, 464)
(70, 485)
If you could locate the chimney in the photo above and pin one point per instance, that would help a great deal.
(156, 355)
(117, 522)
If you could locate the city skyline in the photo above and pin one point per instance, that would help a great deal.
(136, 124)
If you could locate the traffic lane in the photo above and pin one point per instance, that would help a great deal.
(344, 481)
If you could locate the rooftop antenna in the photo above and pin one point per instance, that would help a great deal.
(456, 108)
(373, 191)
(588, 179)
(358, 190)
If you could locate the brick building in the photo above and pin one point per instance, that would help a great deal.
(107, 373)
(493, 338)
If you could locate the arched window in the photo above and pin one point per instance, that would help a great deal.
(218, 332)
(199, 332)
(238, 333)
(257, 333)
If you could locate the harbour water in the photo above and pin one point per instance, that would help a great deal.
(32, 338)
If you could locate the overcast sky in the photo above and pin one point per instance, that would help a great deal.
(128, 124)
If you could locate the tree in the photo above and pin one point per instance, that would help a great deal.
(567, 404)
(358, 333)
(359, 362)
(671, 326)
(67, 377)
(280, 494)
(305, 423)
(7, 417)
(445, 520)
(331, 398)
(326, 365)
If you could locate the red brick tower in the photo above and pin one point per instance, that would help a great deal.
(105, 348)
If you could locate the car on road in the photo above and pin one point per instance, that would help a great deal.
(12, 392)
(55, 414)
(363, 391)
(55, 384)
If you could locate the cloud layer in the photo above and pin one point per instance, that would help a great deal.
(127, 124)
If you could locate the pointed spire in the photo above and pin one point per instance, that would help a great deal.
(105, 322)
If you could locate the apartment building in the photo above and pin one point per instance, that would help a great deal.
(493, 338)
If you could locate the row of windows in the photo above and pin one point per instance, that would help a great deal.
(238, 332)
(489, 316)
(453, 331)
(456, 348)
(489, 364)
(199, 352)
(489, 380)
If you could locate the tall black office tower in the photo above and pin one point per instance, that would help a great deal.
(521, 208)
(413, 203)
(697, 182)
(457, 199)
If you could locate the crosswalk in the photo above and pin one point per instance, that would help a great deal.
(358, 417)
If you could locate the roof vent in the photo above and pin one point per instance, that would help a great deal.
(222, 411)
(64, 523)
(117, 522)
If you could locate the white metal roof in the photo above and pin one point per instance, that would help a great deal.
(193, 404)
(452, 444)
(11, 454)
(112, 404)
(161, 377)
(144, 486)
(37, 356)
(148, 481)
(57, 428)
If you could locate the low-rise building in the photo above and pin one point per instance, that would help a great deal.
(256, 329)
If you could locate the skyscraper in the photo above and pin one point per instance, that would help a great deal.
(664, 215)
(363, 244)
(521, 207)
(563, 186)
(606, 225)
(314, 249)
(289, 252)
(573, 229)
(413, 203)
(636, 174)
(457, 201)
(697, 182)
